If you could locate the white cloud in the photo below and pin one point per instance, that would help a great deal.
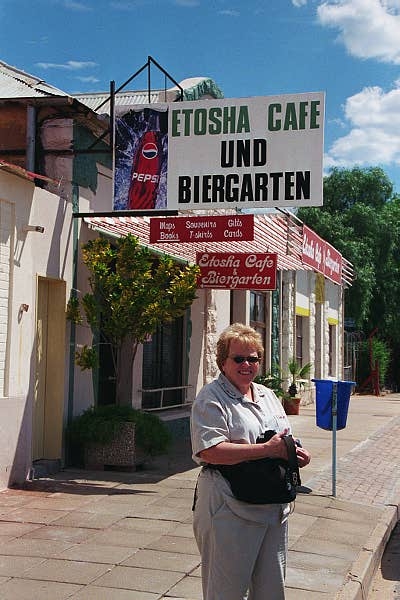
(298, 3)
(368, 28)
(374, 138)
(73, 5)
(70, 65)
(88, 79)
(229, 12)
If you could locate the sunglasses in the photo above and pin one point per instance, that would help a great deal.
(241, 359)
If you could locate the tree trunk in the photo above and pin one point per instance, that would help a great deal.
(124, 376)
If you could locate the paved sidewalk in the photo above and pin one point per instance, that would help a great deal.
(128, 536)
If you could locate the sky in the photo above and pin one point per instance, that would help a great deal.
(349, 49)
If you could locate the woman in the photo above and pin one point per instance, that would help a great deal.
(243, 546)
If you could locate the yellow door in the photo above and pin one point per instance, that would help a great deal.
(50, 365)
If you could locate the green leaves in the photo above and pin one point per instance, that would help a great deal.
(132, 292)
(100, 424)
(361, 218)
(87, 358)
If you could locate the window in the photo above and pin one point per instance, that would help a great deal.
(299, 340)
(258, 309)
(332, 347)
(162, 366)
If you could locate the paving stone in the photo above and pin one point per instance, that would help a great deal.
(97, 593)
(299, 524)
(129, 538)
(325, 547)
(66, 571)
(26, 589)
(336, 531)
(189, 587)
(145, 525)
(163, 513)
(34, 515)
(136, 578)
(317, 580)
(14, 566)
(87, 520)
(173, 502)
(17, 529)
(297, 594)
(97, 553)
(118, 507)
(175, 544)
(35, 548)
(59, 502)
(311, 560)
(8, 501)
(168, 561)
(181, 493)
(67, 534)
(184, 530)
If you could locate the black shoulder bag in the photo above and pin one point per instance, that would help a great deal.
(265, 480)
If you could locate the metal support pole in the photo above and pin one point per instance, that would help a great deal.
(334, 429)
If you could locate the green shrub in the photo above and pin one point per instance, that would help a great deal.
(273, 381)
(101, 423)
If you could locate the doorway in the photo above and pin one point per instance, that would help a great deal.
(48, 402)
(163, 365)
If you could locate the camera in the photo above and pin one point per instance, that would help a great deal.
(266, 436)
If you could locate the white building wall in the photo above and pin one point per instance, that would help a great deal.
(33, 255)
(7, 220)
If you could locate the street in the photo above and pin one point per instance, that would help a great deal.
(386, 583)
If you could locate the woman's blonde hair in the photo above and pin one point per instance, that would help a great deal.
(242, 333)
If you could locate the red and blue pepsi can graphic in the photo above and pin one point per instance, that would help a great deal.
(145, 174)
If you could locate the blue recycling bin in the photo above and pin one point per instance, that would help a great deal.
(324, 398)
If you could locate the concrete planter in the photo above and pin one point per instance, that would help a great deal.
(120, 452)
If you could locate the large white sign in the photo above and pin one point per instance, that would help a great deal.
(246, 153)
(217, 154)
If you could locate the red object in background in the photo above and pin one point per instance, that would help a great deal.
(145, 175)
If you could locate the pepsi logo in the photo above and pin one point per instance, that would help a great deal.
(149, 150)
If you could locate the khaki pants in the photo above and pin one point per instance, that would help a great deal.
(243, 547)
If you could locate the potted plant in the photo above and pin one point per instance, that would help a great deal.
(299, 374)
(117, 436)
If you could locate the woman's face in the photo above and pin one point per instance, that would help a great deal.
(241, 374)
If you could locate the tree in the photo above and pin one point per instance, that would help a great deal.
(361, 218)
(132, 293)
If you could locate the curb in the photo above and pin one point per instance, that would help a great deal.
(362, 571)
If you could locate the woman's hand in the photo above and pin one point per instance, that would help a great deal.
(303, 457)
(276, 447)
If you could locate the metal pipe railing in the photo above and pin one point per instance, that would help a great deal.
(162, 390)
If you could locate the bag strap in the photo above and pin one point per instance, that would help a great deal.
(292, 460)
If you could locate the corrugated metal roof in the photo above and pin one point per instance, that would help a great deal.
(130, 98)
(270, 235)
(277, 233)
(15, 83)
(195, 87)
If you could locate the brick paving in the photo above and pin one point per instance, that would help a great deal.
(368, 474)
